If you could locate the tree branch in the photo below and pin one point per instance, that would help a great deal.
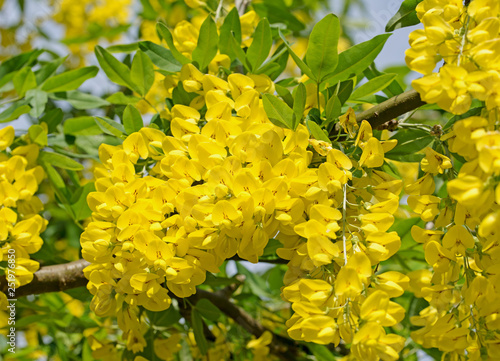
(281, 347)
(52, 279)
(391, 108)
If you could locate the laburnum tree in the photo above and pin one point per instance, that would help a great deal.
(238, 181)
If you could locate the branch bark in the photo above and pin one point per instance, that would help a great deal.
(281, 347)
(52, 279)
(391, 108)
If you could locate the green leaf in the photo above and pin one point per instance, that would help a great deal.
(6, 84)
(52, 118)
(167, 36)
(69, 80)
(408, 158)
(199, 336)
(148, 12)
(48, 69)
(270, 249)
(110, 127)
(142, 72)
(59, 160)
(208, 310)
(285, 94)
(299, 101)
(345, 91)
(116, 71)
(214, 281)
(122, 99)
(79, 202)
(230, 26)
(38, 135)
(14, 112)
(357, 58)
(410, 141)
(160, 56)
(305, 69)
(123, 48)
(333, 108)
(37, 99)
(393, 88)
(278, 12)
(278, 112)
(24, 80)
(208, 40)
(321, 352)
(277, 63)
(132, 120)
(58, 183)
(19, 61)
(81, 126)
(164, 318)
(181, 96)
(80, 100)
(321, 55)
(240, 54)
(316, 131)
(373, 86)
(261, 45)
(253, 281)
(406, 16)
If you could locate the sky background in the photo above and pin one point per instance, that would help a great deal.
(373, 22)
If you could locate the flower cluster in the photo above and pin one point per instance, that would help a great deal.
(462, 246)
(467, 39)
(331, 282)
(169, 208)
(20, 223)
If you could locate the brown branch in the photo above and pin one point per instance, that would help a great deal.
(391, 108)
(281, 347)
(52, 279)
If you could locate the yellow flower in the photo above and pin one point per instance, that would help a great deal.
(458, 239)
(434, 162)
(6, 137)
(373, 154)
(371, 343)
(426, 206)
(348, 122)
